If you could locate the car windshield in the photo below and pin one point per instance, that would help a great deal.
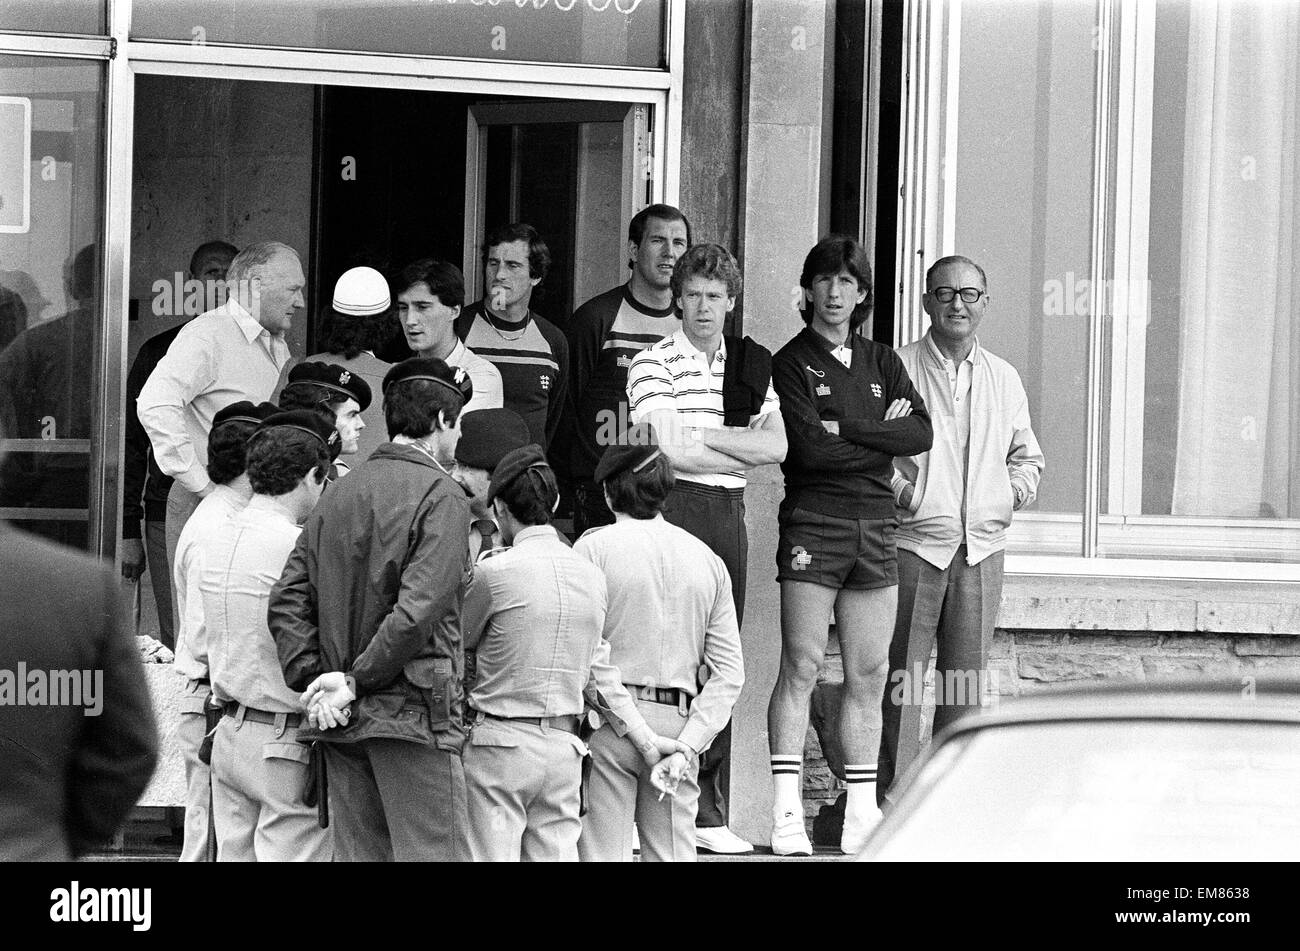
(1111, 790)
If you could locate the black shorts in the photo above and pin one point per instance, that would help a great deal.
(853, 553)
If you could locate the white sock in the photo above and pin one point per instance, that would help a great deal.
(861, 781)
(785, 780)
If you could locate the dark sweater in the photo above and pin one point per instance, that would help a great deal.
(846, 475)
(140, 472)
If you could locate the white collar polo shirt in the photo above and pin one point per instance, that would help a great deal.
(673, 376)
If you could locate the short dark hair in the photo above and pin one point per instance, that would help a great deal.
(304, 394)
(954, 259)
(228, 450)
(641, 494)
(530, 496)
(710, 261)
(637, 226)
(279, 457)
(207, 249)
(539, 255)
(830, 255)
(443, 279)
(346, 335)
(411, 407)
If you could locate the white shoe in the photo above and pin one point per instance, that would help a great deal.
(789, 837)
(721, 840)
(855, 834)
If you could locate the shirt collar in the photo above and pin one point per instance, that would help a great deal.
(264, 503)
(245, 321)
(683, 343)
(457, 356)
(825, 344)
(535, 532)
(973, 358)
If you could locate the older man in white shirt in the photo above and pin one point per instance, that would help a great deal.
(234, 352)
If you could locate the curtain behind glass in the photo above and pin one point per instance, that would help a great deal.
(1239, 352)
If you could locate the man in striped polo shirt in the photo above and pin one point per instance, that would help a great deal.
(604, 335)
(529, 351)
(711, 400)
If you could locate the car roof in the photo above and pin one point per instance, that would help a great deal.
(1223, 700)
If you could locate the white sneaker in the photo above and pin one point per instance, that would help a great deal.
(789, 837)
(855, 833)
(721, 840)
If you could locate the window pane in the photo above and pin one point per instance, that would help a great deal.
(51, 161)
(1023, 212)
(590, 32)
(1205, 462)
(54, 16)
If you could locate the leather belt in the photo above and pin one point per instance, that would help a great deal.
(670, 696)
(291, 720)
(569, 723)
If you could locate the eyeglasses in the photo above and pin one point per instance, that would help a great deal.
(969, 295)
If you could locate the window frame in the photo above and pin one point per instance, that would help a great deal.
(1124, 45)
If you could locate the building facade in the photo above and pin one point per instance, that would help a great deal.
(1125, 171)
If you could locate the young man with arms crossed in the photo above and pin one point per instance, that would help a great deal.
(849, 408)
(710, 400)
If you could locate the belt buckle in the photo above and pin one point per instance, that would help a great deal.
(683, 704)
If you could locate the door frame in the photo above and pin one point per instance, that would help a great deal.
(637, 159)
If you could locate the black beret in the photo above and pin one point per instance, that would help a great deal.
(307, 421)
(333, 377)
(514, 464)
(635, 449)
(244, 412)
(433, 370)
(486, 435)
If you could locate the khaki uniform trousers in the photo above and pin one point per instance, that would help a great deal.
(620, 793)
(258, 774)
(523, 786)
(198, 777)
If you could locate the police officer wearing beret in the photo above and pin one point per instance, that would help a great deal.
(671, 626)
(486, 437)
(336, 391)
(232, 427)
(535, 613)
(357, 322)
(259, 770)
(366, 617)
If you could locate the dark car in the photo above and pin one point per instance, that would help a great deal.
(1172, 772)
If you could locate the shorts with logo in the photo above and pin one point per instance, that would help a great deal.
(854, 553)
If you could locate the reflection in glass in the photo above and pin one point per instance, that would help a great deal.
(49, 274)
(588, 32)
(1023, 207)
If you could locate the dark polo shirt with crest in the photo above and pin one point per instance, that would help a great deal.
(533, 360)
(845, 475)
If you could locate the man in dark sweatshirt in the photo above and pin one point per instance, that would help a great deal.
(849, 408)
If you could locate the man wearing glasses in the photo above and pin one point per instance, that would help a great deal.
(955, 504)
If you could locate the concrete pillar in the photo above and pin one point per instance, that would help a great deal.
(784, 209)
